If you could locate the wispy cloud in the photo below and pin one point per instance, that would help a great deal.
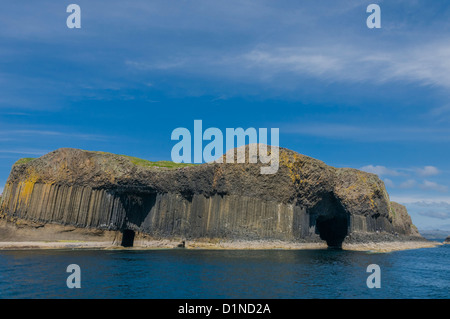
(367, 133)
(380, 170)
(435, 214)
(163, 65)
(434, 186)
(441, 110)
(427, 171)
(423, 201)
(13, 134)
(440, 114)
(427, 64)
(435, 208)
(296, 60)
(410, 183)
(411, 174)
(25, 152)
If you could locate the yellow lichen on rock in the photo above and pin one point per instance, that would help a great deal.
(27, 186)
(294, 166)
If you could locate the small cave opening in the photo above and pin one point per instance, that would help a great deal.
(128, 238)
(333, 230)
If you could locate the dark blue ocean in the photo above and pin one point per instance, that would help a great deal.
(178, 273)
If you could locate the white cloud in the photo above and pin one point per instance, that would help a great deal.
(427, 171)
(427, 64)
(434, 208)
(410, 183)
(47, 133)
(434, 186)
(26, 152)
(379, 170)
(426, 185)
(435, 214)
(435, 203)
(423, 200)
(367, 133)
(288, 59)
(252, 40)
(164, 65)
(427, 212)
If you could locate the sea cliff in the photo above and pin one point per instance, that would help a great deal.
(78, 195)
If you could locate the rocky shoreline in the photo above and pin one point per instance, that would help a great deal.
(379, 247)
(26, 234)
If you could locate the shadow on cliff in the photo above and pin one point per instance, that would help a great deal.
(137, 207)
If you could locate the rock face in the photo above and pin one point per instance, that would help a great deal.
(304, 201)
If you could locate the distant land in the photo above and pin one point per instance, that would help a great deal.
(83, 198)
(434, 234)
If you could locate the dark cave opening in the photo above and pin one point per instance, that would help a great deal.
(332, 230)
(137, 206)
(128, 238)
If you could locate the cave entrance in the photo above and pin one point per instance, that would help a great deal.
(128, 238)
(332, 230)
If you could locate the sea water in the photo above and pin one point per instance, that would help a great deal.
(182, 273)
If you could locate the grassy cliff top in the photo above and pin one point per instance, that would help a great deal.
(134, 160)
(145, 163)
(24, 160)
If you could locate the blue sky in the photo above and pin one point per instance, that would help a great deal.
(377, 100)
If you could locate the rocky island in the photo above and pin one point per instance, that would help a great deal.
(76, 198)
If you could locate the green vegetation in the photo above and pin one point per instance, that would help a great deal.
(24, 160)
(393, 213)
(165, 164)
(134, 160)
(147, 164)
